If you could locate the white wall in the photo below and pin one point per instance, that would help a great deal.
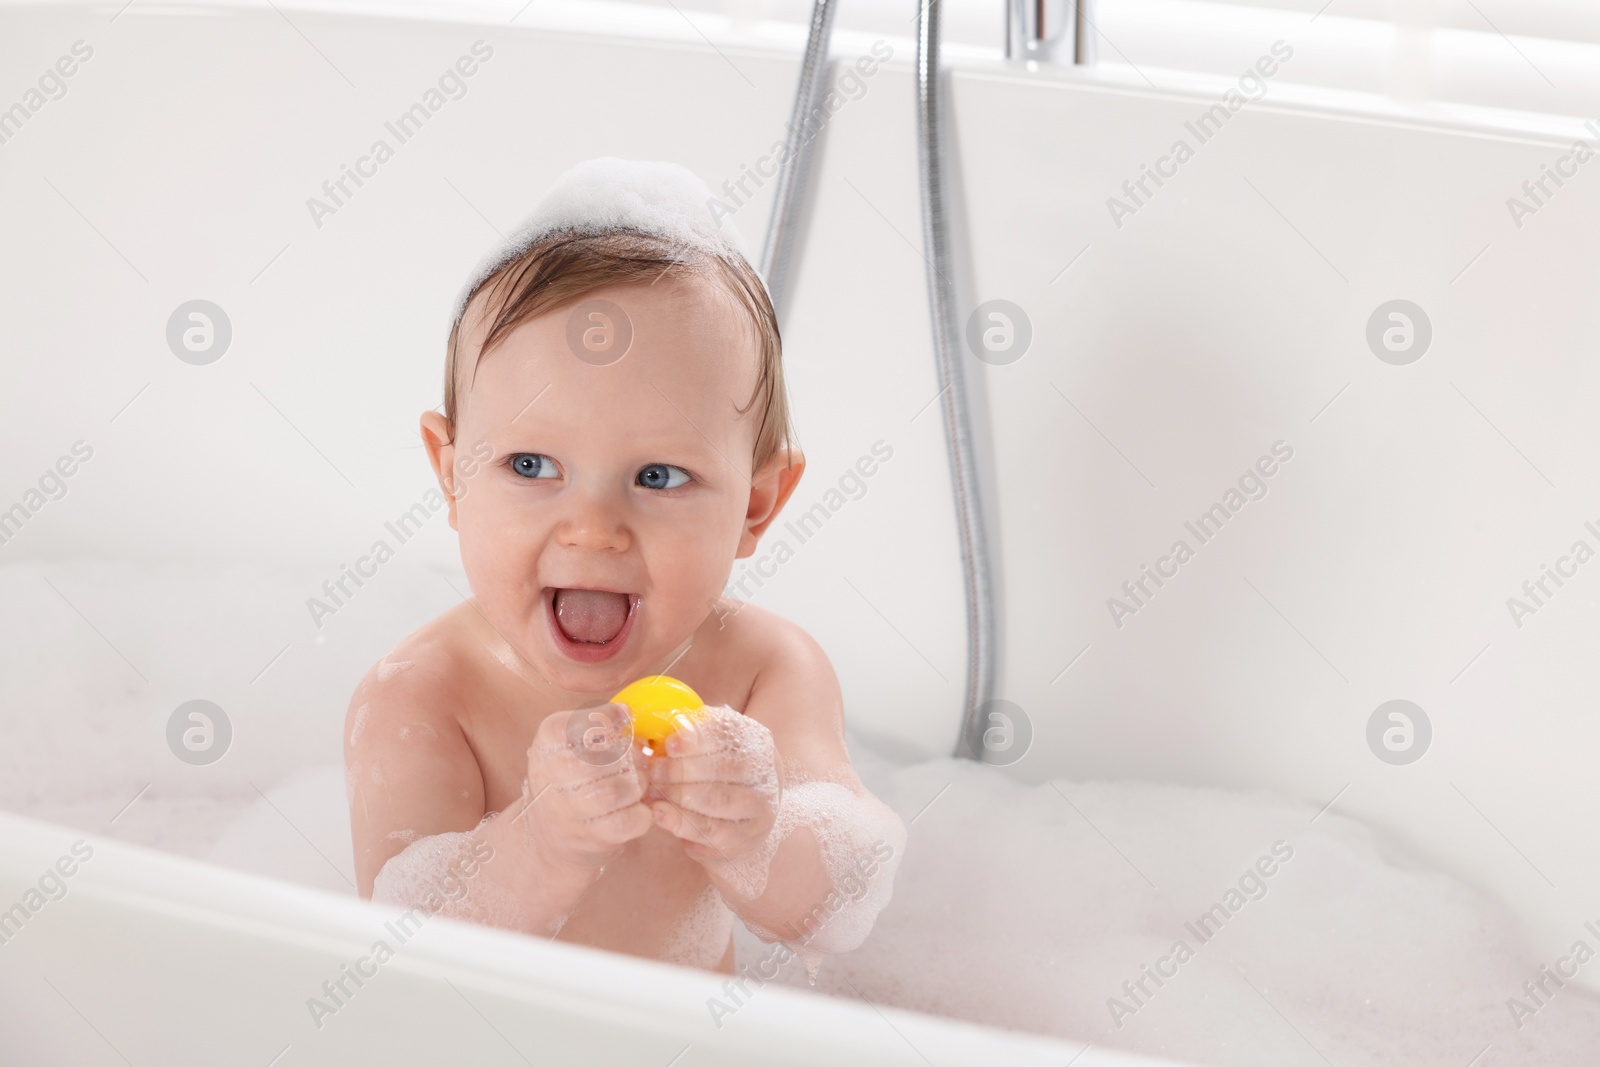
(1223, 317)
(191, 141)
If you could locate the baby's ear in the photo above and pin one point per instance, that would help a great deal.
(438, 439)
(770, 488)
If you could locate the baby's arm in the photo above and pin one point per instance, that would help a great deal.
(811, 863)
(417, 811)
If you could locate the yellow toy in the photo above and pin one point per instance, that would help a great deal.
(660, 705)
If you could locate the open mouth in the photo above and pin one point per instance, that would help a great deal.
(590, 625)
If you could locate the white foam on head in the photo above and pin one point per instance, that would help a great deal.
(608, 195)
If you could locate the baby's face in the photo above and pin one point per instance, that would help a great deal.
(618, 496)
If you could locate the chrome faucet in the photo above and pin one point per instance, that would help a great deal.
(1051, 31)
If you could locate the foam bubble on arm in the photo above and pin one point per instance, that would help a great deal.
(488, 875)
(701, 937)
(824, 868)
(857, 839)
(445, 874)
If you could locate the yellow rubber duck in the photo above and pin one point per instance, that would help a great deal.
(659, 705)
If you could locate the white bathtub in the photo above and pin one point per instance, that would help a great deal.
(158, 959)
(1225, 314)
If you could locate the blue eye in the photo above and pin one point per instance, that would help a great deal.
(532, 465)
(662, 476)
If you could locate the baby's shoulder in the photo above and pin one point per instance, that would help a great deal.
(421, 679)
(783, 680)
(769, 643)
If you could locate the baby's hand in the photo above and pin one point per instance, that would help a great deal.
(718, 786)
(586, 787)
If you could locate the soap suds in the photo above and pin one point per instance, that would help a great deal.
(1011, 909)
(442, 874)
(362, 714)
(607, 195)
(741, 735)
(419, 731)
(858, 838)
(701, 939)
(387, 670)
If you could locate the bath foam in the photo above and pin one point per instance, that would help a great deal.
(860, 840)
(739, 734)
(436, 867)
(1011, 909)
(1048, 938)
(387, 670)
(607, 195)
(701, 938)
(363, 713)
(410, 873)
(79, 769)
(419, 732)
(854, 834)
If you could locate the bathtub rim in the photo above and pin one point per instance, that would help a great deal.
(136, 880)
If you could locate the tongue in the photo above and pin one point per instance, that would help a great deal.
(590, 616)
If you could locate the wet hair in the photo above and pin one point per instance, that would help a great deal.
(565, 267)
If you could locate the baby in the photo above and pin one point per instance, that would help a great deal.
(615, 434)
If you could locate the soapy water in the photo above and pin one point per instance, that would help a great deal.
(747, 746)
(438, 873)
(408, 876)
(1008, 907)
(1012, 909)
(846, 827)
(861, 841)
(701, 939)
